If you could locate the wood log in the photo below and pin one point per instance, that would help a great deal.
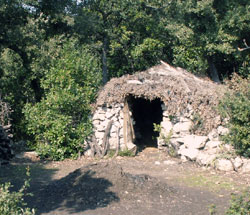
(105, 139)
(118, 142)
(125, 123)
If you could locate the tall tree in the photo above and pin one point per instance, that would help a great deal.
(207, 34)
(124, 32)
(26, 50)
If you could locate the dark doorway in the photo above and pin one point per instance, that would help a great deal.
(145, 113)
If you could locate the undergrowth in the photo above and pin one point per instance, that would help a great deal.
(166, 137)
(124, 153)
(236, 107)
(239, 205)
(11, 202)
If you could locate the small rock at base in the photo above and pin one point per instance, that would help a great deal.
(224, 165)
(168, 162)
(157, 163)
(246, 167)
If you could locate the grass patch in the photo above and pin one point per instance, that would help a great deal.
(213, 183)
(124, 153)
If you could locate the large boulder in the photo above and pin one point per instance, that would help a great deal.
(191, 154)
(213, 144)
(205, 158)
(224, 165)
(195, 142)
(182, 127)
(246, 166)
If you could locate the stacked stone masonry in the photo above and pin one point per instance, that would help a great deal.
(176, 132)
(205, 150)
(190, 126)
(101, 118)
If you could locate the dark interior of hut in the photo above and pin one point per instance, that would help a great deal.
(145, 113)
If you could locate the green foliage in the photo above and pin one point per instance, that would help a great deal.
(126, 36)
(203, 30)
(166, 138)
(111, 153)
(236, 106)
(172, 118)
(12, 203)
(60, 121)
(240, 204)
(126, 153)
(212, 209)
(27, 45)
(14, 88)
(157, 127)
(5, 112)
(146, 53)
(134, 33)
(123, 153)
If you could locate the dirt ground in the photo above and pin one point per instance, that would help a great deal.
(149, 183)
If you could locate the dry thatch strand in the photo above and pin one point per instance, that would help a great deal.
(176, 88)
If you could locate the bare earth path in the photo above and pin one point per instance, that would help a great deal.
(150, 183)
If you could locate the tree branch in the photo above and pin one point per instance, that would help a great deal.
(246, 46)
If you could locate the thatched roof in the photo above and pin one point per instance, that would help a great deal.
(174, 86)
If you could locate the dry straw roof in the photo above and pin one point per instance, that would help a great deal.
(176, 87)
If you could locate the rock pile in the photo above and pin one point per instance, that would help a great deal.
(176, 135)
(6, 152)
(208, 150)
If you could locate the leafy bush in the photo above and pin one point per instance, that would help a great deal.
(60, 121)
(240, 204)
(236, 106)
(5, 112)
(165, 137)
(12, 203)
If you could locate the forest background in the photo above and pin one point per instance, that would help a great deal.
(56, 55)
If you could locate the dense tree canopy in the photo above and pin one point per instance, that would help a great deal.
(207, 37)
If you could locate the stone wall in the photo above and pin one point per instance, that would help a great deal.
(176, 137)
(101, 118)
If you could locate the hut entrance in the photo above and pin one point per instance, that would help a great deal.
(145, 113)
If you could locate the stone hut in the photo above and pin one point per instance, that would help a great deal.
(167, 108)
(159, 107)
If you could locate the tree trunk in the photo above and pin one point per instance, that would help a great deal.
(213, 71)
(104, 61)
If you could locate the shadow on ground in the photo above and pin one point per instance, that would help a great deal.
(84, 189)
(16, 174)
(122, 186)
(77, 192)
